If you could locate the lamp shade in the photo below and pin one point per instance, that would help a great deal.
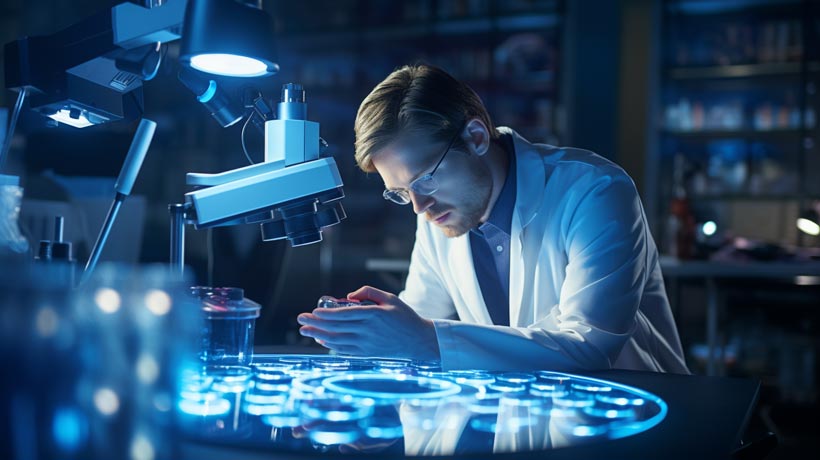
(225, 37)
(809, 222)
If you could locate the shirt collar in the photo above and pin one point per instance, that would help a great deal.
(501, 215)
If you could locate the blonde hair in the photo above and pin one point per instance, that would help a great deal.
(417, 98)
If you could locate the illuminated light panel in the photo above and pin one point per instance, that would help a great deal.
(808, 226)
(230, 65)
(64, 116)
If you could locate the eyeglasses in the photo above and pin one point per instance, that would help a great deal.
(424, 185)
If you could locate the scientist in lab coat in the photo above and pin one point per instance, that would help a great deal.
(527, 256)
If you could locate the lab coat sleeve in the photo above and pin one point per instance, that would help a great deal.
(424, 290)
(603, 232)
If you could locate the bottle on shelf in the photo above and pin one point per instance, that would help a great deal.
(680, 222)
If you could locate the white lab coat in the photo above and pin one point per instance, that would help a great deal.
(586, 290)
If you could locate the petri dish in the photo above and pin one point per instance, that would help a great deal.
(390, 386)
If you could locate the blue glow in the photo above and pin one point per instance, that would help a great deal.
(343, 405)
(230, 65)
(208, 94)
(709, 228)
(207, 407)
(69, 429)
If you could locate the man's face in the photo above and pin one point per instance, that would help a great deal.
(465, 183)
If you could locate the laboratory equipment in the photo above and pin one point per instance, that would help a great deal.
(229, 321)
(125, 182)
(293, 194)
(327, 301)
(93, 71)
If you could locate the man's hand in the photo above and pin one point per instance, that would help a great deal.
(389, 329)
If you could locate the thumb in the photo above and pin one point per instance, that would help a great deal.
(371, 293)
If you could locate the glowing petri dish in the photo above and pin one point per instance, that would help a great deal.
(295, 362)
(336, 409)
(620, 398)
(283, 416)
(610, 412)
(591, 387)
(516, 377)
(553, 377)
(335, 433)
(574, 400)
(330, 364)
(507, 387)
(472, 377)
(261, 369)
(310, 383)
(547, 390)
(266, 399)
(434, 366)
(486, 403)
(230, 379)
(205, 407)
(384, 423)
(390, 386)
(389, 365)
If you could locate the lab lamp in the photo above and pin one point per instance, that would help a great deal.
(809, 222)
(228, 38)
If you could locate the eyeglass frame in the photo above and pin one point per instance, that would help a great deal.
(404, 193)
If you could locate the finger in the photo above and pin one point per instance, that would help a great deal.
(328, 338)
(355, 313)
(348, 350)
(305, 318)
(339, 327)
(371, 293)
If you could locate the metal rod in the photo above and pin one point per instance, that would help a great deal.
(103, 237)
(177, 256)
(18, 106)
(58, 229)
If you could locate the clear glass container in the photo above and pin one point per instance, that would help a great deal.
(229, 323)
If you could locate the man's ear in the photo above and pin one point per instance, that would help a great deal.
(476, 136)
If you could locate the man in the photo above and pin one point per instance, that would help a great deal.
(527, 256)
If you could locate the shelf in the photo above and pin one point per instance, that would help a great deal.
(741, 71)
(707, 135)
(702, 7)
(748, 197)
(511, 23)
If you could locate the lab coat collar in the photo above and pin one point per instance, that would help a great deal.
(530, 177)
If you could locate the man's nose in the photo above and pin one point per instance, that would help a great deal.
(421, 203)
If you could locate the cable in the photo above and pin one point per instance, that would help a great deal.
(242, 137)
(18, 106)
(210, 249)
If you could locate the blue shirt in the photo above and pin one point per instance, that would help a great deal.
(490, 246)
